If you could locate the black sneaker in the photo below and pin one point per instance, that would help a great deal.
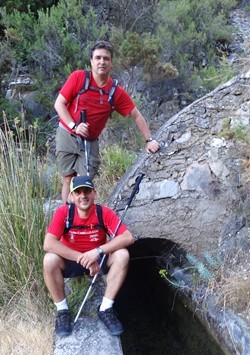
(108, 317)
(63, 323)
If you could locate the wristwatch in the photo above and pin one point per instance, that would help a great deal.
(150, 139)
(100, 251)
(72, 125)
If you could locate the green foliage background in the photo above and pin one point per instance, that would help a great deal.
(50, 39)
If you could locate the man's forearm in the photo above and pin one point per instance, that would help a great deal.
(119, 242)
(57, 247)
(141, 123)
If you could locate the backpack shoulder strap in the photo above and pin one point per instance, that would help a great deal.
(70, 217)
(71, 214)
(112, 92)
(86, 83)
(100, 217)
(84, 88)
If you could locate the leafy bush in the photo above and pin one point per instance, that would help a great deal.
(24, 6)
(235, 129)
(213, 75)
(56, 41)
(192, 29)
(163, 38)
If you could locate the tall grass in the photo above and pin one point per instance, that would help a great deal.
(27, 180)
(24, 185)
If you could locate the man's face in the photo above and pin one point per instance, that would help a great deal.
(83, 197)
(101, 61)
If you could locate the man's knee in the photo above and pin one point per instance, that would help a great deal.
(51, 262)
(120, 256)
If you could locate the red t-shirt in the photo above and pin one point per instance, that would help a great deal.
(95, 103)
(84, 239)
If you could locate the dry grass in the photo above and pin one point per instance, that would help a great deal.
(25, 329)
(230, 284)
(25, 338)
(233, 287)
(235, 294)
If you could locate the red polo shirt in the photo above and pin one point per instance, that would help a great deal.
(95, 103)
(84, 239)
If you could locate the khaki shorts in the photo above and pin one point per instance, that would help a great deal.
(70, 152)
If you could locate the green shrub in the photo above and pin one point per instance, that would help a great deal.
(57, 40)
(213, 75)
(193, 30)
(11, 109)
(135, 49)
(235, 129)
(24, 6)
(116, 160)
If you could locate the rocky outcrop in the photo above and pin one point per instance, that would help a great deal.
(200, 175)
(196, 190)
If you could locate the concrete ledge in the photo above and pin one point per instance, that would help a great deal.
(89, 335)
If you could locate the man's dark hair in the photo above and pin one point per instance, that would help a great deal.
(102, 44)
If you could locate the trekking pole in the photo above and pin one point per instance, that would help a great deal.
(134, 192)
(83, 119)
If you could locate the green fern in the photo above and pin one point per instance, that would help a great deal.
(214, 262)
(204, 273)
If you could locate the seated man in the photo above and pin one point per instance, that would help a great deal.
(73, 251)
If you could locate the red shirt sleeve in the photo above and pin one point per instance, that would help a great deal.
(111, 221)
(73, 85)
(58, 222)
(95, 103)
(123, 102)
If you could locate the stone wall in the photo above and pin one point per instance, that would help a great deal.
(196, 189)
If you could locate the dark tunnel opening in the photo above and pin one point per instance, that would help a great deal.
(156, 321)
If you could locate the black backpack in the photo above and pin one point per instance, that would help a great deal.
(70, 219)
(86, 87)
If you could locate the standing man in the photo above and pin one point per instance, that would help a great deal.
(79, 250)
(95, 104)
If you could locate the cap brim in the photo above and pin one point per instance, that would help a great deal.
(77, 187)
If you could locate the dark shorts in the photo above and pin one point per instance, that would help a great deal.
(73, 269)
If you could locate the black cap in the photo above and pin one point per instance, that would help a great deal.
(81, 181)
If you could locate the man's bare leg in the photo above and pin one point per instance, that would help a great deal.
(65, 188)
(53, 277)
(118, 263)
(118, 266)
